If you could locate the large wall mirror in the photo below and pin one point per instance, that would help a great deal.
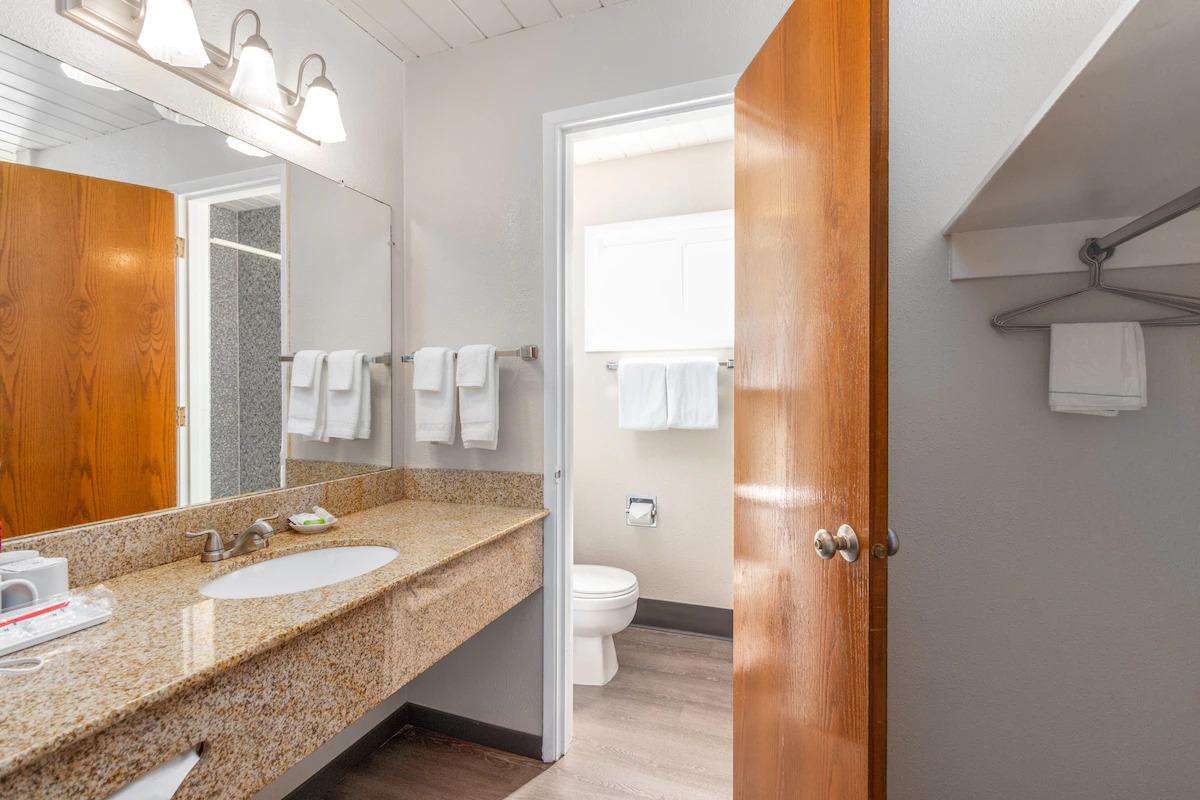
(156, 277)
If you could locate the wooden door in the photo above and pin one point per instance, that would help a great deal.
(87, 349)
(810, 425)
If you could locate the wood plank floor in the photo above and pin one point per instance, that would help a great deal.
(662, 728)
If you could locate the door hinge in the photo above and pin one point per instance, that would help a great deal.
(181, 416)
(180, 247)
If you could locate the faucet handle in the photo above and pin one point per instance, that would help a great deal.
(263, 526)
(213, 544)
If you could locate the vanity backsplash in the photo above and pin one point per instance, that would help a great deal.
(104, 550)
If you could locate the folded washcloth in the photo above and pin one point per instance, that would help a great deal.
(306, 400)
(434, 410)
(349, 387)
(642, 394)
(473, 364)
(480, 401)
(304, 366)
(692, 393)
(1097, 368)
(427, 369)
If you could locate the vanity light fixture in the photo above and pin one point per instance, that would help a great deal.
(254, 78)
(169, 33)
(245, 148)
(87, 79)
(321, 116)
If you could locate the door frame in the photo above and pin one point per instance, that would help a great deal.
(193, 201)
(558, 131)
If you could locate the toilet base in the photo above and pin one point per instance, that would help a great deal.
(595, 660)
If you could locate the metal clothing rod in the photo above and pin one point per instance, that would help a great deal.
(526, 352)
(1147, 222)
(728, 364)
(385, 359)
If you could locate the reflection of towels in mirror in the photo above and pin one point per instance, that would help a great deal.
(306, 401)
(348, 407)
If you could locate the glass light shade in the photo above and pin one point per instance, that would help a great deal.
(87, 79)
(321, 117)
(169, 34)
(245, 147)
(254, 81)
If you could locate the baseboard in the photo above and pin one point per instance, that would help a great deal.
(431, 719)
(668, 615)
(476, 732)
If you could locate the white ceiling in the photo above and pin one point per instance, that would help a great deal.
(415, 28)
(40, 107)
(674, 132)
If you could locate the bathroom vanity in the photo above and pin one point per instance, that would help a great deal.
(259, 683)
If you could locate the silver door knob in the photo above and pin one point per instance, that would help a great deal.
(845, 542)
(890, 549)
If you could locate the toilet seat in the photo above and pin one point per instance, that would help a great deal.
(595, 582)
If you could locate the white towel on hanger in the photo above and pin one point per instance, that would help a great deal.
(349, 387)
(428, 371)
(306, 399)
(435, 410)
(642, 394)
(1097, 368)
(480, 400)
(692, 394)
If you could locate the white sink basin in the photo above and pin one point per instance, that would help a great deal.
(298, 572)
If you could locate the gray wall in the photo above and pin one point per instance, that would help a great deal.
(245, 298)
(1043, 640)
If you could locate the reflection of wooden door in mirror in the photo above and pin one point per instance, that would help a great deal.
(87, 349)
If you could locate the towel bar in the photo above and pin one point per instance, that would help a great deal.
(728, 364)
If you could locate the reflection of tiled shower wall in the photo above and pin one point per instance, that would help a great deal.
(246, 418)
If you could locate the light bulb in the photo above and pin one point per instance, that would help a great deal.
(169, 34)
(254, 81)
(321, 116)
(245, 148)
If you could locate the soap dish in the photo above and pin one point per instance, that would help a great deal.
(295, 522)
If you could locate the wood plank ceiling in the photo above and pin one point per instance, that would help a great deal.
(415, 28)
(40, 107)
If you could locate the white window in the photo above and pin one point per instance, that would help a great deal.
(659, 284)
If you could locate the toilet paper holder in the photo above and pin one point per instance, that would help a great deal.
(641, 512)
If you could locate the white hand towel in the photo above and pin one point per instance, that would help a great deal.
(474, 363)
(363, 431)
(480, 404)
(306, 400)
(304, 367)
(435, 410)
(1097, 368)
(692, 394)
(428, 363)
(642, 394)
(344, 405)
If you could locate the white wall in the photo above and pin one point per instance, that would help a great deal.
(688, 558)
(474, 182)
(1043, 639)
(160, 154)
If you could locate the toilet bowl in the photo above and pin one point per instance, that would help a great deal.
(604, 600)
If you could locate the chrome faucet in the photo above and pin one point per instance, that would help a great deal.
(256, 537)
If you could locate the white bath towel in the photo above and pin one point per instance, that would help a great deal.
(480, 402)
(692, 394)
(1097, 368)
(435, 411)
(428, 369)
(306, 400)
(642, 394)
(345, 406)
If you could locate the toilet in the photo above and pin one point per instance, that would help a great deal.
(604, 600)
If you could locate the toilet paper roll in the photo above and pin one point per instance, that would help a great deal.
(641, 511)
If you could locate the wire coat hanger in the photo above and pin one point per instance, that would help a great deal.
(1096, 251)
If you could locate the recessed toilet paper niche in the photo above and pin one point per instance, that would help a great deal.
(641, 512)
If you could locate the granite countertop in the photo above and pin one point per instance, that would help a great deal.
(165, 636)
